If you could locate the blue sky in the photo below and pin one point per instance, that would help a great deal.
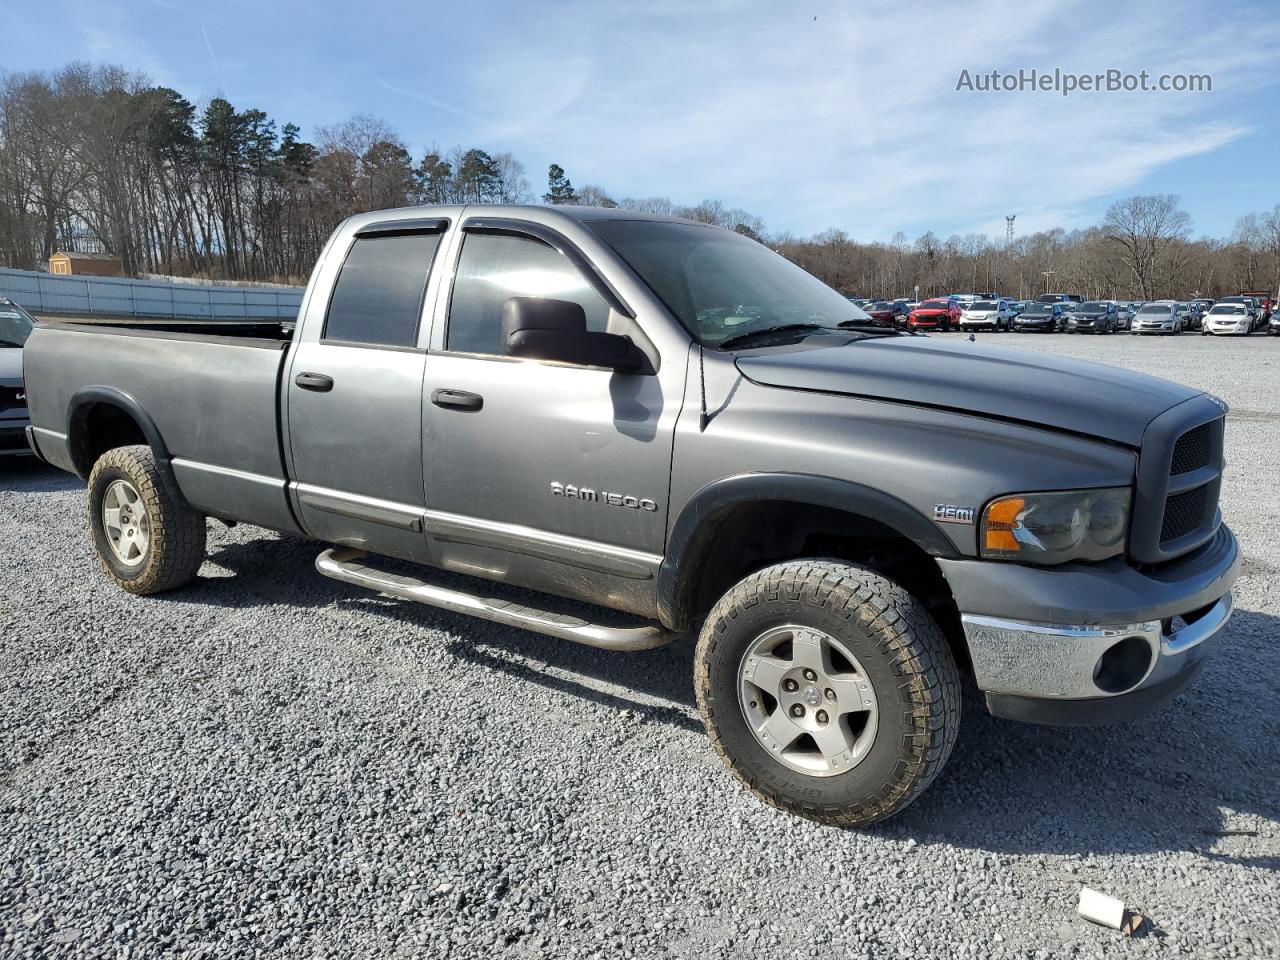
(813, 115)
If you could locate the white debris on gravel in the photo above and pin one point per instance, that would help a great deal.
(271, 764)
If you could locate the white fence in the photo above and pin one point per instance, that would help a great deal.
(146, 298)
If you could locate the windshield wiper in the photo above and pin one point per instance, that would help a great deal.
(742, 338)
(866, 322)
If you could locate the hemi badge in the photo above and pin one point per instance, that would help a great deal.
(950, 513)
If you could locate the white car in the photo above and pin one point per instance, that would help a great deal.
(984, 314)
(1227, 318)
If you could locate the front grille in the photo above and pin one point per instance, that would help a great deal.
(1193, 449)
(1179, 481)
(1183, 514)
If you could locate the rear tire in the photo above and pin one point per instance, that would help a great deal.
(861, 664)
(147, 539)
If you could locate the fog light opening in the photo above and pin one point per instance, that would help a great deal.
(1123, 665)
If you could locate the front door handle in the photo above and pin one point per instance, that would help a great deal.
(314, 381)
(457, 399)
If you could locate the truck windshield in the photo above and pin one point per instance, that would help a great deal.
(15, 325)
(721, 285)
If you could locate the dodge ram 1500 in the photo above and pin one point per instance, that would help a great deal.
(669, 420)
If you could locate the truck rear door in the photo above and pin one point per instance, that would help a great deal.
(354, 392)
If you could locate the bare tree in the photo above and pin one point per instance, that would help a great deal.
(1145, 229)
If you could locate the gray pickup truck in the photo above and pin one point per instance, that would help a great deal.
(670, 421)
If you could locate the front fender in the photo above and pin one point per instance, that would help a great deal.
(693, 528)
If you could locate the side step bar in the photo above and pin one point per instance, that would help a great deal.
(347, 565)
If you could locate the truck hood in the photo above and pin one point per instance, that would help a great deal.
(1085, 398)
(10, 366)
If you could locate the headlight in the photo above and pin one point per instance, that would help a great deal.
(1049, 528)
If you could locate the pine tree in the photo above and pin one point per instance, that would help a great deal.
(559, 189)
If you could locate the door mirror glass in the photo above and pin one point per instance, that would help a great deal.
(542, 328)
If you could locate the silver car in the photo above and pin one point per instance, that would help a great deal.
(1161, 316)
(15, 327)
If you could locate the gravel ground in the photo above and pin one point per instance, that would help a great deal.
(269, 763)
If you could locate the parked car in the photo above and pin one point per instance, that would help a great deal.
(1040, 318)
(902, 306)
(1124, 315)
(986, 315)
(1161, 316)
(1059, 298)
(15, 327)
(1273, 325)
(1199, 306)
(1227, 318)
(881, 310)
(1250, 304)
(941, 313)
(1265, 305)
(827, 592)
(1095, 316)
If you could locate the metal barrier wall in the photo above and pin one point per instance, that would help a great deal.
(146, 298)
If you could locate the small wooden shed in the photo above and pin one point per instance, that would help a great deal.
(86, 264)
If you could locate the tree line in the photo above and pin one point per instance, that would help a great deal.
(1142, 250)
(99, 159)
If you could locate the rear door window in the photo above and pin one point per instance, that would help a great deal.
(378, 297)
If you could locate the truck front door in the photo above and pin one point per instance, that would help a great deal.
(354, 394)
(550, 475)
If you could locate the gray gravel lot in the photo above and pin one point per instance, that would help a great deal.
(269, 763)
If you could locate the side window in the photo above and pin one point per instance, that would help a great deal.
(495, 267)
(378, 296)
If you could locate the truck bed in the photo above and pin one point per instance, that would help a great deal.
(212, 390)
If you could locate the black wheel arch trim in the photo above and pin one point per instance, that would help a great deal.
(84, 400)
(688, 533)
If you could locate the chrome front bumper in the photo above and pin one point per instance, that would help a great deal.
(1045, 661)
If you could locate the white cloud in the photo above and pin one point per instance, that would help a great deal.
(816, 117)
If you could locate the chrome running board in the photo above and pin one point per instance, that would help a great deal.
(347, 565)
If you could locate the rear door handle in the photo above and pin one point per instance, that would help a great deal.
(314, 381)
(457, 399)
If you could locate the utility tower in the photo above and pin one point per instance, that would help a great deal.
(1008, 229)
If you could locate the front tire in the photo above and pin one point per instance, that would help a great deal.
(828, 691)
(147, 539)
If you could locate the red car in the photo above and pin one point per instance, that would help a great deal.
(880, 310)
(939, 314)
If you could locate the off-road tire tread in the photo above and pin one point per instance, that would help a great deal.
(921, 658)
(178, 533)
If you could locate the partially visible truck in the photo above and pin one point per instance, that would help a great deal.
(673, 423)
(15, 327)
